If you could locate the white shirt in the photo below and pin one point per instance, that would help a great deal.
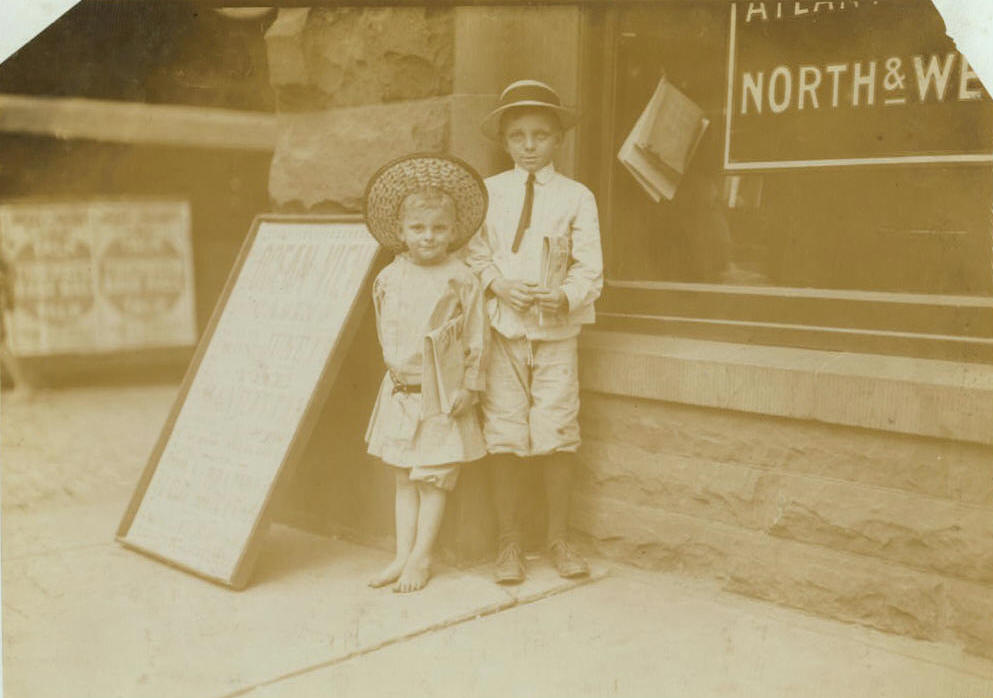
(562, 206)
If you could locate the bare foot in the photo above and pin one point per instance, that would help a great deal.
(415, 575)
(388, 574)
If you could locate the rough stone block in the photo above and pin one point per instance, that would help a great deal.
(891, 530)
(328, 156)
(347, 56)
(938, 468)
(970, 617)
(845, 587)
(650, 538)
(970, 474)
(725, 492)
(838, 585)
(950, 539)
(689, 431)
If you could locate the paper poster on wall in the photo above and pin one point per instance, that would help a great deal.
(98, 276)
(816, 84)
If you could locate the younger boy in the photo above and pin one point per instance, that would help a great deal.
(531, 402)
(423, 207)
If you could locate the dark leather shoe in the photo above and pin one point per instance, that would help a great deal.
(509, 565)
(567, 561)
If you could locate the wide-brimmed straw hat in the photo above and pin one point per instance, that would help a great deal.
(527, 93)
(397, 179)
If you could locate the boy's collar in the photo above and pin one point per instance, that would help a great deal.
(541, 176)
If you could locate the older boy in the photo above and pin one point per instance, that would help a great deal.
(531, 402)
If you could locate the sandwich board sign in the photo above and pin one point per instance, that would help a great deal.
(254, 389)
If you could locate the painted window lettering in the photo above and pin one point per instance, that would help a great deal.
(866, 83)
(766, 11)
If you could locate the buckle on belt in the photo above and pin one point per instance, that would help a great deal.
(400, 387)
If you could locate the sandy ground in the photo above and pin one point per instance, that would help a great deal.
(62, 448)
(85, 617)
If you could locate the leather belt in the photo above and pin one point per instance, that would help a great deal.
(401, 387)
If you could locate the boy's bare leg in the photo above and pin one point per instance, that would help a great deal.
(417, 570)
(406, 528)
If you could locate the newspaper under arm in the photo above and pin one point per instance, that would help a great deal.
(555, 254)
(443, 368)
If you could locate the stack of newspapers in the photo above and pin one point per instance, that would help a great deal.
(555, 256)
(660, 146)
(443, 368)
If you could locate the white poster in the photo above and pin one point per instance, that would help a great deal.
(98, 276)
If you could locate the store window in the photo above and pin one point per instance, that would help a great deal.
(847, 204)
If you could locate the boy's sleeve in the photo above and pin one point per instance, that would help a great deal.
(479, 257)
(475, 336)
(584, 280)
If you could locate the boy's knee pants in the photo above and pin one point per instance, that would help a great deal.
(531, 402)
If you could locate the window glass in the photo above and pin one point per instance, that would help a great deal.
(889, 224)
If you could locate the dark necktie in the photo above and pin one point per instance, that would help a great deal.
(525, 220)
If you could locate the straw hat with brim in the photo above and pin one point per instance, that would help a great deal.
(396, 180)
(527, 93)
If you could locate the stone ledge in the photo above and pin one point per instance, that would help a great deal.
(925, 397)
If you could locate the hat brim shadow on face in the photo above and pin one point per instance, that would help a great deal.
(491, 124)
(397, 179)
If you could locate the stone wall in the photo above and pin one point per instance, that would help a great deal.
(893, 531)
(839, 505)
(355, 87)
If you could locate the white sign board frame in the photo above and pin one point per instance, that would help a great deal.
(259, 387)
